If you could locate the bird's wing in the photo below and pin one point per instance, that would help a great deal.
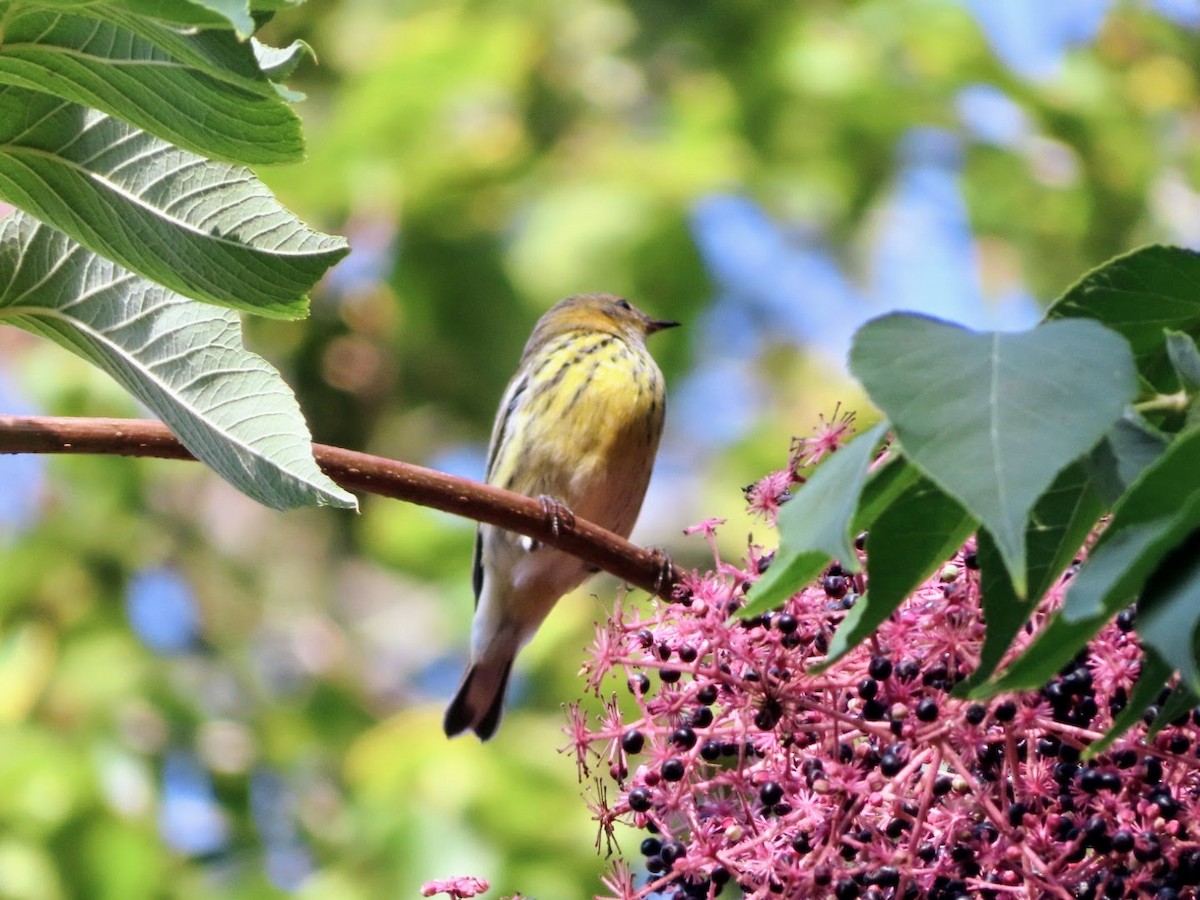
(513, 396)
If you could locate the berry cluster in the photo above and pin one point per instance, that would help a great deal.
(749, 770)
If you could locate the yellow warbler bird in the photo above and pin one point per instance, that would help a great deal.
(578, 427)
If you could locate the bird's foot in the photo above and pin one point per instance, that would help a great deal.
(557, 514)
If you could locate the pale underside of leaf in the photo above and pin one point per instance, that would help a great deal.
(183, 359)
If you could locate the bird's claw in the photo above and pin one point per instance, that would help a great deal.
(557, 514)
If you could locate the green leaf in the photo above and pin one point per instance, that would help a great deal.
(1130, 446)
(815, 525)
(886, 483)
(1153, 676)
(1155, 515)
(99, 64)
(1185, 359)
(210, 231)
(993, 418)
(1061, 521)
(1170, 610)
(1056, 644)
(183, 359)
(233, 14)
(1179, 704)
(1139, 295)
(278, 63)
(915, 535)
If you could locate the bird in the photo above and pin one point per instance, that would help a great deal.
(578, 428)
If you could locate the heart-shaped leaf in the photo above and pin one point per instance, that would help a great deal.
(992, 418)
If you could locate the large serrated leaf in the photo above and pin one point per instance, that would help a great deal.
(211, 231)
(815, 524)
(992, 418)
(103, 65)
(1139, 295)
(183, 359)
(233, 14)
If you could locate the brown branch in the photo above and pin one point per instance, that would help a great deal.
(649, 570)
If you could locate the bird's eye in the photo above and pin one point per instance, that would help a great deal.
(624, 304)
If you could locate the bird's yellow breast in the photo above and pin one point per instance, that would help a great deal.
(583, 427)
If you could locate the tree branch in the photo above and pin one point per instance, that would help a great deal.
(649, 570)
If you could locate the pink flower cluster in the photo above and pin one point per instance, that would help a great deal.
(458, 887)
(749, 773)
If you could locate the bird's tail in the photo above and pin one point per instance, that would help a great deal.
(480, 698)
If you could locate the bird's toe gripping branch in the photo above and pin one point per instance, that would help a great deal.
(557, 514)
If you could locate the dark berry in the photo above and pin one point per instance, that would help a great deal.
(890, 764)
(880, 668)
(927, 709)
(639, 683)
(846, 889)
(786, 623)
(688, 653)
(1005, 712)
(707, 694)
(710, 750)
(639, 799)
(834, 586)
(908, 669)
(868, 688)
(672, 851)
(673, 770)
(702, 717)
(632, 741)
(684, 737)
(770, 793)
(651, 846)
(975, 713)
(669, 676)
(766, 717)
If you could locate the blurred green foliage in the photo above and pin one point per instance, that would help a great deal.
(485, 159)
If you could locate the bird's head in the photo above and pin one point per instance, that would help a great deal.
(597, 312)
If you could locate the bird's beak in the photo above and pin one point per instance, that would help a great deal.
(653, 325)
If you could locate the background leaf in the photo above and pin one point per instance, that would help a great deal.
(993, 418)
